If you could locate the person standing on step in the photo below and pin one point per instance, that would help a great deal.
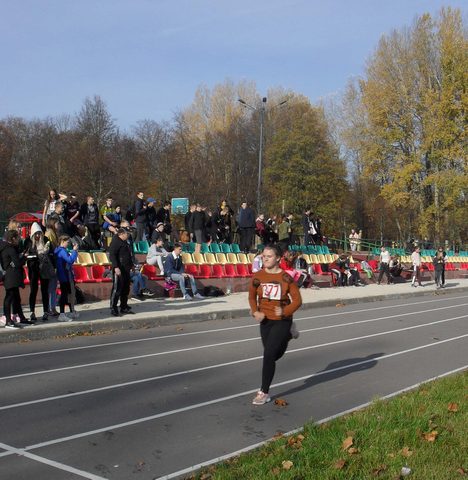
(273, 298)
(121, 258)
(384, 265)
(416, 260)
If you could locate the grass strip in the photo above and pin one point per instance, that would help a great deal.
(425, 431)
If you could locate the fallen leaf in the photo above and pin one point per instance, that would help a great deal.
(300, 437)
(275, 471)
(179, 329)
(340, 464)
(380, 469)
(280, 402)
(339, 305)
(431, 436)
(353, 451)
(287, 464)
(452, 407)
(406, 452)
(278, 435)
(461, 471)
(348, 442)
(206, 476)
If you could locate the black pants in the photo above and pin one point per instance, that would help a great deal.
(120, 289)
(275, 338)
(34, 278)
(140, 233)
(95, 232)
(65, 292)
(246, 238)
(12, 302)
(384, 268)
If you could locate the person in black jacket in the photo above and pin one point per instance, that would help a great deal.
(187, 218)
(89, 215)
(198, 222)
(12, 264)
(121, 259)
(246, 222)
(164, 216)
(140, 208)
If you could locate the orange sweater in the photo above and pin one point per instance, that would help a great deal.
(270, 290)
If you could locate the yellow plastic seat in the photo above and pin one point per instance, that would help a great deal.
(221, 258)
(242, 258)
(232, 258)
(85, 259)
(210, 259)
(251, 257)
(313, 259)
(187, 258)
(321, 258)
(198, 258)
(101, 258)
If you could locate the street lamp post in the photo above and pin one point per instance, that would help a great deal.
(262, 110)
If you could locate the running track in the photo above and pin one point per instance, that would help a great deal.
(154, 403)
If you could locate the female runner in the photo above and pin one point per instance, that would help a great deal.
(273, 298)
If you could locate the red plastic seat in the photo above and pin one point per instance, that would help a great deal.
(81, 274)
(374, 264)
(230, 270)
(318, 270)
(150, 271)
(242, 270)
(26, 275)
(204, 271)
(218, 271)
(97, 273)
(191, 269)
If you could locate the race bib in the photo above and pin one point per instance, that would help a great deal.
(271, 291)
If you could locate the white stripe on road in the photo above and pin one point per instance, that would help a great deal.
(52, 463)
(207, 463)
(217, 330)
(54, 370)
(213, 345)
(234, 396)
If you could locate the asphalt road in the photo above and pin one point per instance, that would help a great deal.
(153, 403)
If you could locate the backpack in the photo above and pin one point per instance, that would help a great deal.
(212, 291)
(130, 215)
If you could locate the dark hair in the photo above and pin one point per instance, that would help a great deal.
(275, 248)
(167, 203)
(11, 235)
(177, 245)
(63, 238)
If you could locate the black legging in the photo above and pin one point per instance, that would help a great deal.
(65, 291)
(34, 278)
(120, 289)
(275, 338)
(12, 301)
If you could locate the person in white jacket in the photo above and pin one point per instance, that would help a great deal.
(416, 259)
(157, 254)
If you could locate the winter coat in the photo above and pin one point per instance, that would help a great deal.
(120, 254)
(64, 261)
(246, 218)
(12, 265)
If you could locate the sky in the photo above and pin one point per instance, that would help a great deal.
(146, 58)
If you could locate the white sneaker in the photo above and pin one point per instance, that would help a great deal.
(199, 296)
(261, 398)
(63, 318)
(188, 297)
(294, 331)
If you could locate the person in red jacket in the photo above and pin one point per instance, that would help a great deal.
(273, 298)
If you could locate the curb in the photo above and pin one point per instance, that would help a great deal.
(111, 325)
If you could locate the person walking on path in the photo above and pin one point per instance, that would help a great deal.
(384, 265)
(121, 258)
(416, 260)
(273, 298)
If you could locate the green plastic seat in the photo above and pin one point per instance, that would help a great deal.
(235, 248)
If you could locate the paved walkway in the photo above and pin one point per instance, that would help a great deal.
(95, 317)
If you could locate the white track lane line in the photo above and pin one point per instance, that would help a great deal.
(200, 369)
(231, 397)
(218, 330)
(213, 345)
(50, 463)
(207, 463)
